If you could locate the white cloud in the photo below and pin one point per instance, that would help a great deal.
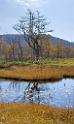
(28, 1)
(31, 3)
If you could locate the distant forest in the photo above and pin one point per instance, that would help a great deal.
(18, 51)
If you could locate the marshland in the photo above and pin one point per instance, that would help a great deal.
(36, 69)
(37, 93)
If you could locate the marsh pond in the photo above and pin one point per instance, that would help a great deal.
(57, 94)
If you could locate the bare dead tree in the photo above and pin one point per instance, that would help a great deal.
(33, 26)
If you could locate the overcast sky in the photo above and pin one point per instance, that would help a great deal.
(58, 12)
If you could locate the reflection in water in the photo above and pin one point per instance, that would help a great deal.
(14, 85)
(31, 91)
(0, 89)
(60, 94)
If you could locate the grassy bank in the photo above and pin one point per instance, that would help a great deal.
(37, 72)
(60, 62)
(49, 70)
(34, 114)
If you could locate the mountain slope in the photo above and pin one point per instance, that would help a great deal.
(19, 38)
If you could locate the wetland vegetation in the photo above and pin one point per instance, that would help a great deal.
(44, 70)
(31, 95)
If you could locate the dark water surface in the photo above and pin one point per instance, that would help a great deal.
(58, 94)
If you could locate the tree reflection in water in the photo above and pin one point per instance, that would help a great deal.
(58, 94)
(32, 92)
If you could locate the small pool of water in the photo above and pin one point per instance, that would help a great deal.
(57, 94)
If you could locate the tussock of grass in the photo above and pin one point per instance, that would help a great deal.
(34, 114)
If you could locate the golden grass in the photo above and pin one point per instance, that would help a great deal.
(37, 72)
(54, 70)
(34, 114)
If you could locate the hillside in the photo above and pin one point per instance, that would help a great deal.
(16, 37)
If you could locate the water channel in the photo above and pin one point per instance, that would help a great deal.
(57, 94)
